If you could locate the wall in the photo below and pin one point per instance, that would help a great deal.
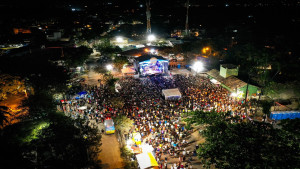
(252, 90)
(224, 72)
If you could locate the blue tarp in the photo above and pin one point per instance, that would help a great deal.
(82, 93)
(280, 115)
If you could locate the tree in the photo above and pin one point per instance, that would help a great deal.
(110, 82)
(266, 106)
(4, 111)
(123, 124)
(245, 144)
(120, 61)
(100, 69)
(10, 85)
(117, 102)
(75, 57)
(106, 48)
(39, 105)
(282, 90)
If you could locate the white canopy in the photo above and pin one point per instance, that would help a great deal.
(146, 160)
(171, 93)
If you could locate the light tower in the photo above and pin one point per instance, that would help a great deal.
(148, 14)
(187, 32)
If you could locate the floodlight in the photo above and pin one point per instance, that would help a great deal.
(151, 38)
(198, 66)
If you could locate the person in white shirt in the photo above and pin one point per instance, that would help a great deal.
(184, 152)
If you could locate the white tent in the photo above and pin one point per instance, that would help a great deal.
(146, 161)
(171, 93)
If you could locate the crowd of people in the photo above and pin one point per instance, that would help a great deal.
(156, 119)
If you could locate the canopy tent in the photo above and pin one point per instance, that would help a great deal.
(128, 70)
(171, 93)
(146, 161)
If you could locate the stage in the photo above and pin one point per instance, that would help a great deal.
(151, 65)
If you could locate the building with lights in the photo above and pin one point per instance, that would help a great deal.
(226, 78)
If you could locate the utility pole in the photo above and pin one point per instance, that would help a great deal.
(187, 32)
(148, 14)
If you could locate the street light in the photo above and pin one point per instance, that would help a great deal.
(206, 51)
(109, 67)
(198, 66)
(120, 39)
(151, 38)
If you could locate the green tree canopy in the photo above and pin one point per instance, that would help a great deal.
(10, 85)
(106, 48)
(74, 57)
(123, 123)
(245, 145)
(120, 61)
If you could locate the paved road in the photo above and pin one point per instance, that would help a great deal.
(110, 155)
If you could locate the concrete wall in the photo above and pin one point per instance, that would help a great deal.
(224, 72)
(252, 90)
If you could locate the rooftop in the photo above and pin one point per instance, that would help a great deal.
(232, 82)
(229, 66)
(148, 57)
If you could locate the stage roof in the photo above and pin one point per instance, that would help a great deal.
(171, 92)
(148, 57)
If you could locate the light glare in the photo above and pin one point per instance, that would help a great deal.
(198, 66)
(109, 67)
(151, 38)
(120, 39)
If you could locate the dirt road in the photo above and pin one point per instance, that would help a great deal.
(110, 155)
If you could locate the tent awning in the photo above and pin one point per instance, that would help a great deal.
(128, 70)
(82, 93)
(146, 160)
